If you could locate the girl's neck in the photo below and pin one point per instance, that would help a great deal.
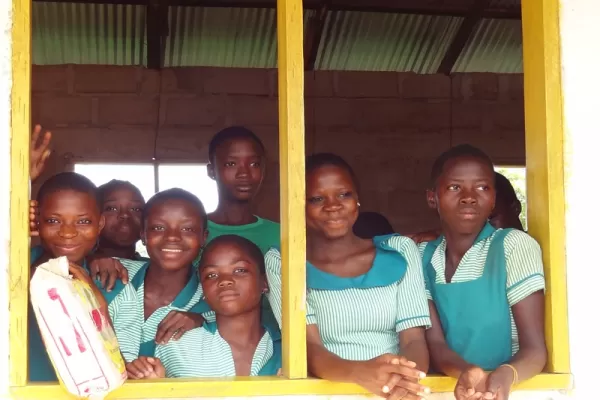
(319, 248)
(457, 244)
(242, 329)
(111, 250)
(233, 213)
(167, 281)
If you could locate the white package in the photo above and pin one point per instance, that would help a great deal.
(80, 342)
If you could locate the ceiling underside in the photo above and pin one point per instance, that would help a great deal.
(344, 35)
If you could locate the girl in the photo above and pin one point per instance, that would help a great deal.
(237, 164)
(366, 300)
(486, 285)
(232, 272)
(69, 224)
(174, 232)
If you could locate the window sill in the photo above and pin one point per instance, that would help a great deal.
(259, 386)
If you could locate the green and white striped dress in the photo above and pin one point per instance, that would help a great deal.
(136, 336)
(359, 318)
(203, 353)
(524, 268)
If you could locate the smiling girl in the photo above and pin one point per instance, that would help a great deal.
(174, 231)
(366, 304)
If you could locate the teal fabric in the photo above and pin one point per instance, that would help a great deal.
(389, 267)
(475, 315)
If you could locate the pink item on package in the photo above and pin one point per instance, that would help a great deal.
(81, 343)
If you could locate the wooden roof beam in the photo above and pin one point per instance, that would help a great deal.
(466, 29)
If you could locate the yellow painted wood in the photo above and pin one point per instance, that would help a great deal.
(19, 195)
(545, 164)
(260, 386)
(291, 158)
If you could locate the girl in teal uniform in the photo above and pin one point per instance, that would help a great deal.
(366, 302)
(69, 223)
(122, 205)
(174, 232)
(232, 272)
(486, 285)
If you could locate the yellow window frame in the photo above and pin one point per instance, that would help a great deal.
(546, 210)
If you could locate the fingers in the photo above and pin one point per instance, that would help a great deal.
(35, 135)
(179, 333)
(396, 381)
(123, 273)
(112, 278)
(45, 143)
(103, 277)
(141, 368)
(167, 327)
(405, 372)
(399, 393)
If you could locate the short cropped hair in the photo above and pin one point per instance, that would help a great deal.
(176, 194)
(246, 245)
(68, 181)
(231, 133)
(462, 150)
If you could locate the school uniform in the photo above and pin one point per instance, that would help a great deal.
(359, 318)
(203, 353)
(265, 234)
(502, 268)
(135, 334)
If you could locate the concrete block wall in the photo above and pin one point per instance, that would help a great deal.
(389, 126)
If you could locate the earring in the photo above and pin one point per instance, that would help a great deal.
(358, 203)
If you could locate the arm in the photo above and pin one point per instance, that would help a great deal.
(414, 347)
(525, 285)
(443, 359)
(324, 364)
(529, 318)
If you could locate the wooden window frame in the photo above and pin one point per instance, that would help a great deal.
(546, 207)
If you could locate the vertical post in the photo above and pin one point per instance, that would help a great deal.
(19, 195)
(291, 159)
(545, 164)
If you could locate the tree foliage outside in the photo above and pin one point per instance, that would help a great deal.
(517, 177)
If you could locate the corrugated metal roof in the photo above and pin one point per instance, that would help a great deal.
(75, 33)
(362, 41)
(495, 46)
(223, 37)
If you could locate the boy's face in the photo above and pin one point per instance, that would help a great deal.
(173, 234)
(465, 195)
(238, 169)
(122, 210)
(231, 281)
(70, 223)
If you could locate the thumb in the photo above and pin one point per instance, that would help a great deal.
(151, 360)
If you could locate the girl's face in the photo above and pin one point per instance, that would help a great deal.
(231, 280)
(70, 223)
(122, 210)
(238, 169)
(465, 195)
(331, 202)
(174, 233)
